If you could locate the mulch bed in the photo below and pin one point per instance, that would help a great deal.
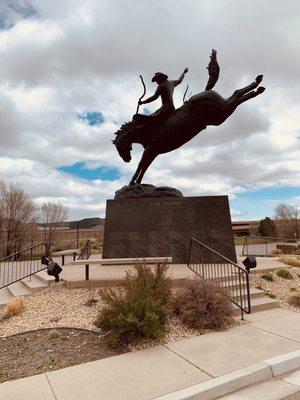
(32, 353)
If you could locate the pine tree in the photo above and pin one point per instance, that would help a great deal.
(267, 227)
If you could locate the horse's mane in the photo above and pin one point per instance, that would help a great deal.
(124, 129)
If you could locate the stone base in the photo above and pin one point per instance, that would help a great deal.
(160, 227)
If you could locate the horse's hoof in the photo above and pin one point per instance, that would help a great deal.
(260, 89)
(259, 78)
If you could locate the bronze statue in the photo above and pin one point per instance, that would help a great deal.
(168, 129)
(165, 90)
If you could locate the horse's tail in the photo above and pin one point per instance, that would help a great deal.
(213, 70)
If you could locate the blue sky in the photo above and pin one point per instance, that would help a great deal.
(80, 170)
(261, 203)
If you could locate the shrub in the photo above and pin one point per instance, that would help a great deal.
(284, 273)
(268, 277)
(293, 261)
(271, 295)
(13, 308)
(200, 305)
(138, 308)
(294, 299)
(293, 289)
(53, 335)
(276, 252)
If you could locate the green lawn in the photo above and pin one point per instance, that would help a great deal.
(238, 240)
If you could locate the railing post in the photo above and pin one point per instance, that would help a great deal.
(190, 250)
(87, 272)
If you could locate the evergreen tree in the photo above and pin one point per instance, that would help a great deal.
(267, 227)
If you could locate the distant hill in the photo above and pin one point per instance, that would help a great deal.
(87, 223)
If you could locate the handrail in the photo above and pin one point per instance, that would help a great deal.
(21, 251)
(86, 251)
(22, 264)
(214, 267)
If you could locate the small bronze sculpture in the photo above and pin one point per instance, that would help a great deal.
(168, 129)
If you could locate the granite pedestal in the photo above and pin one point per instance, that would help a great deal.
(158, 227)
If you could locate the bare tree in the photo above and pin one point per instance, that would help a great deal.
(17, 216)
(52, 215)
(287, 220)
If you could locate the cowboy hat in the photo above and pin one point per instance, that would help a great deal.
(159, 75)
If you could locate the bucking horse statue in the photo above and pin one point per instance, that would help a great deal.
(169, 128)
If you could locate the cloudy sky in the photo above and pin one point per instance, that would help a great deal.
(69, 77)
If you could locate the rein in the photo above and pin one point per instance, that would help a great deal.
(144, 86)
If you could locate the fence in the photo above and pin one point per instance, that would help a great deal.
(267, 246)
(215, 268)
(22, 264)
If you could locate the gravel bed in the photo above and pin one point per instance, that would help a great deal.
(281, 288)
(77, 308)
(50, 309)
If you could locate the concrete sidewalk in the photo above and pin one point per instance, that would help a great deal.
(154, 372)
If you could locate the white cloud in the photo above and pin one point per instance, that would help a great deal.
(71, 56)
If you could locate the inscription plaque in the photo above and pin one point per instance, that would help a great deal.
(159, 227)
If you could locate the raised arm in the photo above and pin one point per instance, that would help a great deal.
(180, 79)
(151, 98)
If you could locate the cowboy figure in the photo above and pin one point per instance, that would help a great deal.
(165, 90)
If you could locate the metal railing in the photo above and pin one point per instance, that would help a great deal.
(267, 246)
(215, 268)
(22, 264)
(86, 251)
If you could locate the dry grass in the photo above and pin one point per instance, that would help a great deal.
(13, 308)
(293, 261)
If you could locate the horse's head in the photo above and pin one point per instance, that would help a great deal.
(124, 149)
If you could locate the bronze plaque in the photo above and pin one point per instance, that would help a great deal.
(159, 227)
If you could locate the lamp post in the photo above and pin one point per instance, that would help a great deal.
(77, 225)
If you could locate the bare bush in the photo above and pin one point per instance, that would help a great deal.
(294, 299)
(201, 305)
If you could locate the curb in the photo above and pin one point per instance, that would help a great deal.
(239, 379)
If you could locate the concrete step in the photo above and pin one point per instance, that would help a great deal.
(5, 297)
(254, 293)
(44, 277)
(18, 289)
(35, 284)
(263, 303)
(258, 304)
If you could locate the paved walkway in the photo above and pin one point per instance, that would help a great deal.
(76, 273)
(147, 374)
